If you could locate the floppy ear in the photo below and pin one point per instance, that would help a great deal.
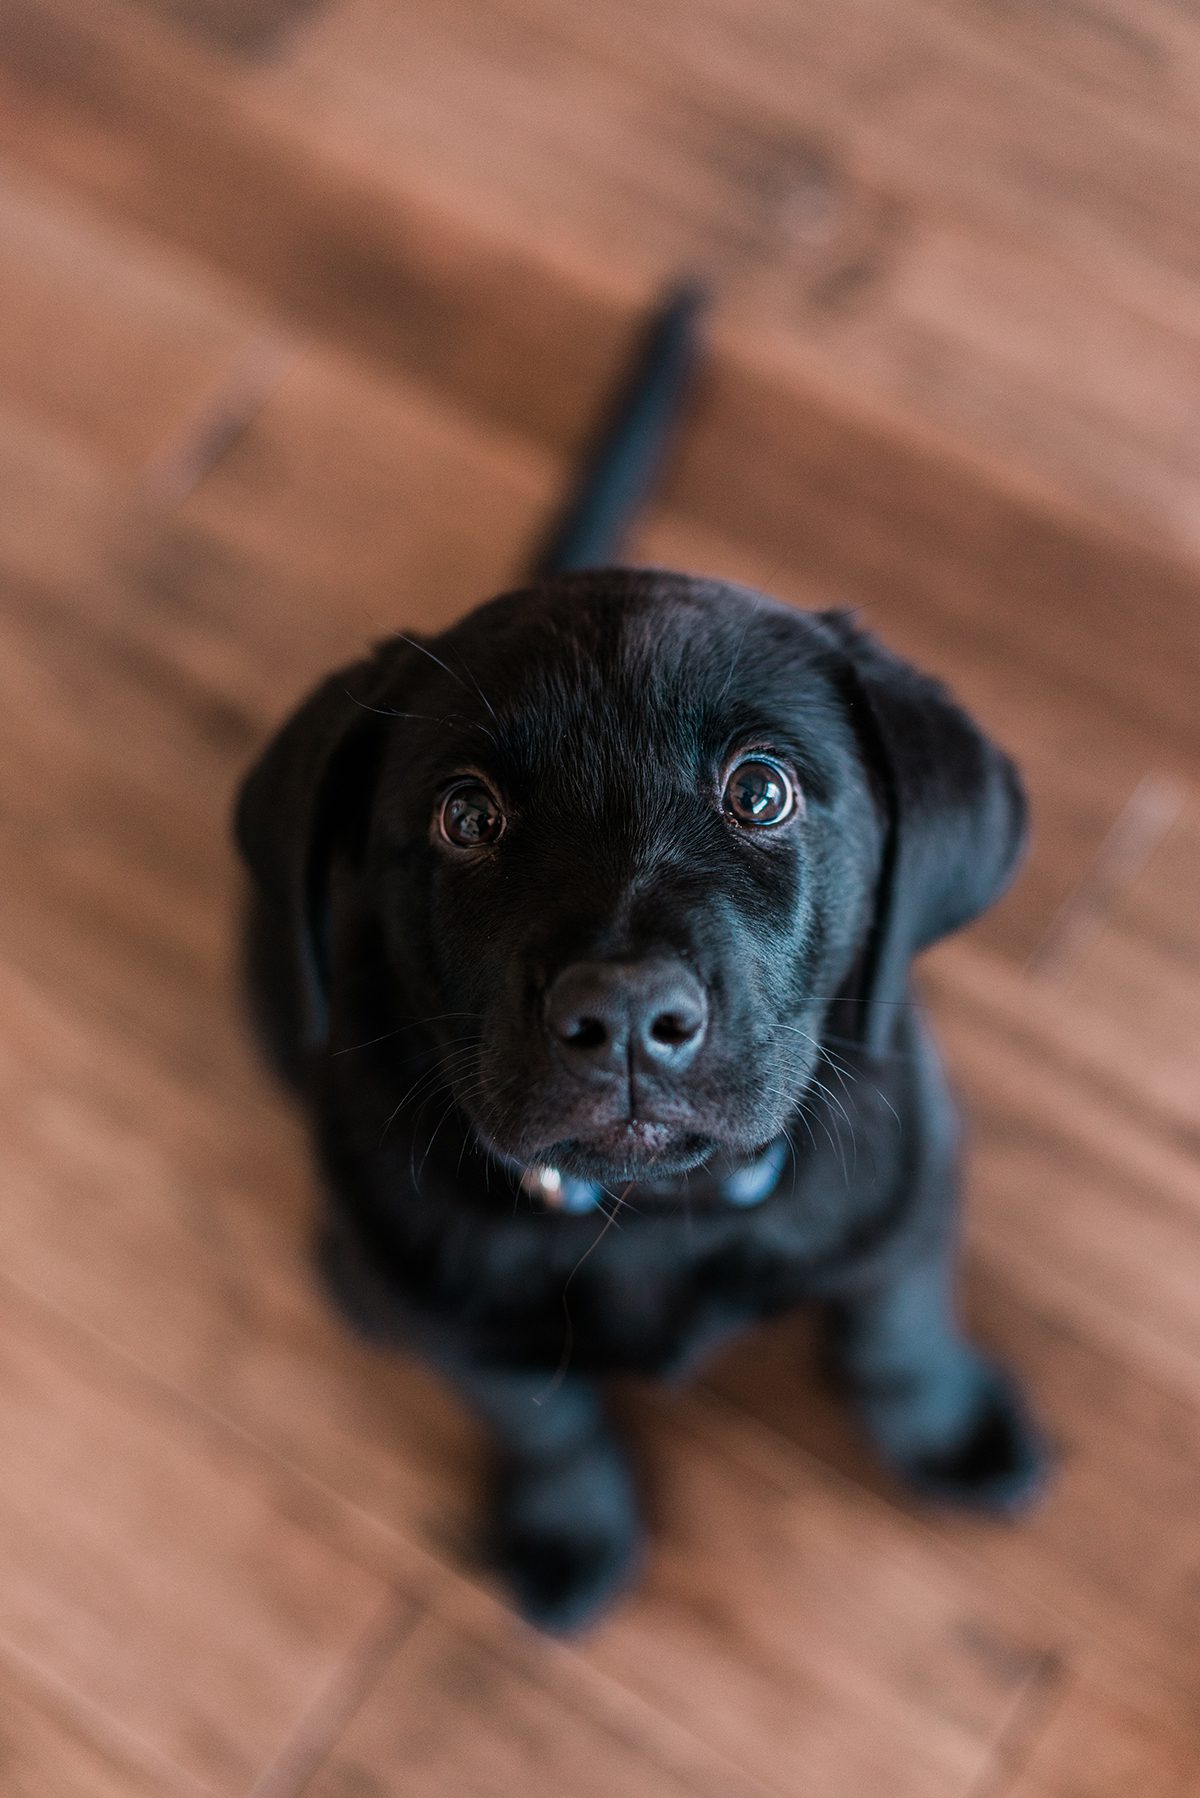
(955, 816)
(306, 800)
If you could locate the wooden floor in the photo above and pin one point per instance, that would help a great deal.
(303, 304)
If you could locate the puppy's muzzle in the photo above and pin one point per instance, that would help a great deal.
(610, 1019)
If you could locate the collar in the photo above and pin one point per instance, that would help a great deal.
(741, 1184)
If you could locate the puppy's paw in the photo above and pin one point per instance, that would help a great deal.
(566, 1540)
(991, 1458)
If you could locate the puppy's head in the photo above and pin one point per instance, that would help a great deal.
(626, 835)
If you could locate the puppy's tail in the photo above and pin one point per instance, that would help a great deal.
(626, 453)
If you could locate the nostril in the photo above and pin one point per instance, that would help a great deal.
(672, 1028)
(609, 1018)
(584, 1033)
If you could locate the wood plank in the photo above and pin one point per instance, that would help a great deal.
(141, 809)
(1112, 1551)
(377, 493)
(1086, 1179)
(163, 606)
(887, 228)
(863, 499)
(103, 337)
(1140, 973)
(47, 1744)
(793, 1624)
(1139, 59)
(212, 1211)
(382, 276)
(1112, 1731)
(251, 28)
(155, 1564)
(907, 89)
(539, 1725)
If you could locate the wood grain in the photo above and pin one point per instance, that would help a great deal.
(858, 492)
(1101, 1553)
(254, 28)
(1138, 973)
(46, 1745)
(533, 1733)
(870, 190)
(871, 1665)
(1080, 1190)
(153, 1565)
(106, 339)
(1112, 1731)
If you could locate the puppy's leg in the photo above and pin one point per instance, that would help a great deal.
(949, 1420)
(563, 1526)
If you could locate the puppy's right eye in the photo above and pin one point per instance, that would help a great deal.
(759, 792)
(470, 816)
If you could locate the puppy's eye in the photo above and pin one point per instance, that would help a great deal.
(760, 792)
(470, 817)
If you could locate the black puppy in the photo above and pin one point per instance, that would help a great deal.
(599, 908)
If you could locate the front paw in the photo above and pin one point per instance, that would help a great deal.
(983, 1453)
(566, 1539)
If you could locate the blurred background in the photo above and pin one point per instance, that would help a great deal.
(305, 306)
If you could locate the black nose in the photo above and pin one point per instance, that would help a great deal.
(611, 1016)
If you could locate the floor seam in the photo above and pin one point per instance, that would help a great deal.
(322, 1723)
(1122, 853)
(1034, 1706)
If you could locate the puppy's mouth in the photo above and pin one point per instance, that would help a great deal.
(630, 1150)
(610, 1136)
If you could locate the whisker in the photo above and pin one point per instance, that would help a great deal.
(834, 1145)
(446, 668)
(836, 1102)
(412, 1023)
(848, 1042)
(846, 999)
(559, 1374)
(452, 1106)
(845, 1073)
(387, 711)
(442, 1066)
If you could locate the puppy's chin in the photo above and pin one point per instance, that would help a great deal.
(628, 1151)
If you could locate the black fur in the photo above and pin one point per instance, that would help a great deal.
(400, 986)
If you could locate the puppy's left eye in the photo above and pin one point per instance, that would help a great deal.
(760, 792)
(470, 817)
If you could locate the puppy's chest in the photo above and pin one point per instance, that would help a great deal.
(653, 1299)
